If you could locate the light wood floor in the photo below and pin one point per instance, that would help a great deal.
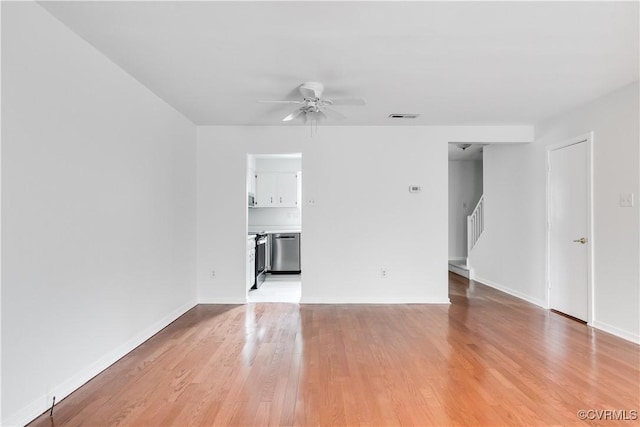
(487, 359)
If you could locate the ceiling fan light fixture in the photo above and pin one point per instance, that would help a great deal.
(314, 107)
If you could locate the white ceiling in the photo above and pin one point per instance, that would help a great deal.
(464, 63)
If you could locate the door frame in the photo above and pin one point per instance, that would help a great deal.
(587, 139)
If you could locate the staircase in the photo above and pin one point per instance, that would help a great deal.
(475, 227)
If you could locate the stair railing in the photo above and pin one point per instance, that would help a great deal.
(475, 224)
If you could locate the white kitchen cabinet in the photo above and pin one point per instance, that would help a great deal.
(251, 181)
(288, 189)
(265, 189)
(277, 189)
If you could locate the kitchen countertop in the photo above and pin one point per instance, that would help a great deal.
(272, 230)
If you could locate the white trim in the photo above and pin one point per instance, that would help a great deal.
(0, 227)
(217, 300)
(464, 272)
(613, 330)
(512, 292)
(363, 299)
(62, 390)
(587, 139)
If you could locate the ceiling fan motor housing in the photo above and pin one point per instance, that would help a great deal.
(311, 89)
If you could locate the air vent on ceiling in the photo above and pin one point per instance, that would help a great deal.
(403, 116)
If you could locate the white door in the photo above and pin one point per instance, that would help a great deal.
(568, 215)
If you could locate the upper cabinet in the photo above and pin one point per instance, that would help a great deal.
(277, 189)
(251, 181)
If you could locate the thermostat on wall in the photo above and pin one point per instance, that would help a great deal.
(414, 189)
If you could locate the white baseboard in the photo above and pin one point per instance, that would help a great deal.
(510, 291)
(613, 330)
(216, 300)
(62, 390)
(359, 299)
(368, 300)
(458, 270)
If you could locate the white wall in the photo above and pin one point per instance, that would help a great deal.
(465, 190)
(364, 218)
(278, 165)
(98, 212)
(511, 252)
(263, 218)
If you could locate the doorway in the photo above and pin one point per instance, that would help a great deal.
(274, 183)
(465, 191)
(569, 246)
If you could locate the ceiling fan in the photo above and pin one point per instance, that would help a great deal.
(314, 107)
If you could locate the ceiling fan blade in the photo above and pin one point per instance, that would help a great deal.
(345, 101)
(280, 102)
(293, 115)
(333, 114)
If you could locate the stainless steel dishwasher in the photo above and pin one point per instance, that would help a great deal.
(285, 252)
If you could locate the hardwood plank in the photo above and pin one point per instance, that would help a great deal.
(486, 359)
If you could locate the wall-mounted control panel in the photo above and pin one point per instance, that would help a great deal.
(626, 200)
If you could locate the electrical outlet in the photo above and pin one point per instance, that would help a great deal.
(626, 200)
(384, 273)
(213, 274)
(311, 202)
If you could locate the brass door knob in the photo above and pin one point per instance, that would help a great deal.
(581, 240)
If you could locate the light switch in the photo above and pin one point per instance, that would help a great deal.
(626, 200)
